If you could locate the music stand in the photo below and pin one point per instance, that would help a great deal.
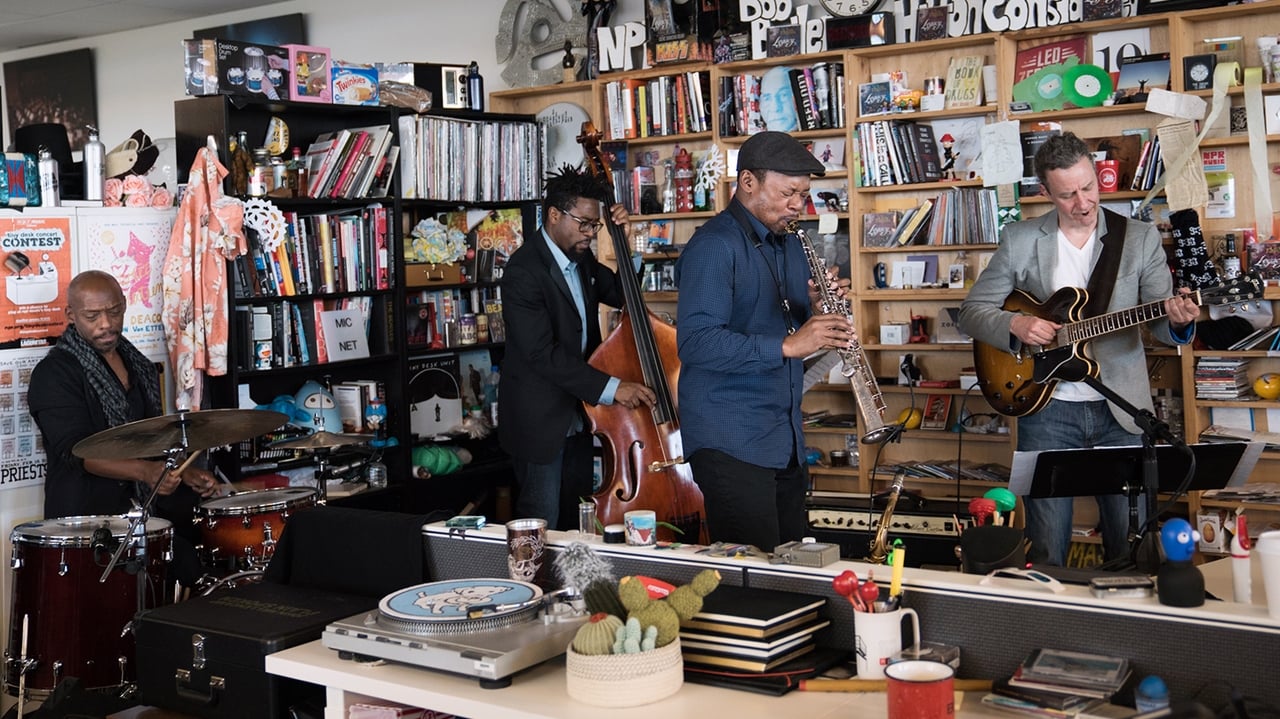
(1120, 470)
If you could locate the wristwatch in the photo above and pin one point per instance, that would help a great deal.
(846, 8)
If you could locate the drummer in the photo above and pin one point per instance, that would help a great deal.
(92, 380)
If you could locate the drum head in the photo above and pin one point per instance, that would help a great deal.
(263, 500)
(78, 531)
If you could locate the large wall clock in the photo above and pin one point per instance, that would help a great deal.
(846, 8)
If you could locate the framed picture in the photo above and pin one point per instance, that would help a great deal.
(53, 88)
(936, 409)
(955, 277)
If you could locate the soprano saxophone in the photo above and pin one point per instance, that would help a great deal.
(866, 392)
(879, 548)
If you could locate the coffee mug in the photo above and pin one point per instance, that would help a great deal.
(642, 527)
(920, 690)
(878, 636)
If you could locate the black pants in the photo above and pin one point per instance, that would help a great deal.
(749, 504)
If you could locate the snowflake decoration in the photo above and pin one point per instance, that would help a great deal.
(265, 218)
(710, 170)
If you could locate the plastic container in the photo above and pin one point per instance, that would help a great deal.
(1151, 694)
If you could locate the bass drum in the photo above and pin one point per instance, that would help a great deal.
(74, 623)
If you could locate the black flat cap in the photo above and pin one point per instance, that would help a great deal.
(779, 152)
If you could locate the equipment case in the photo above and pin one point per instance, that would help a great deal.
(206, 656)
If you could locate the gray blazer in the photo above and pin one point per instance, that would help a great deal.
(1026, 259)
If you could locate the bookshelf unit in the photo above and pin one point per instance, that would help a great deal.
(1171, 369)
(220, 117)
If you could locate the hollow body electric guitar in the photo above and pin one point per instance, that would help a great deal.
(1019, 383)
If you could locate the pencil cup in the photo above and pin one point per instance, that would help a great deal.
(526, 549)
(642, 527)
(878, 636)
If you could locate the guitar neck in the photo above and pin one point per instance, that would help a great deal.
(1091, 327)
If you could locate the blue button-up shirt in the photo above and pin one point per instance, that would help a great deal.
(571, 277)
(738, 394)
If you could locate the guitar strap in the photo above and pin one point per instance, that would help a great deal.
(1103, 278)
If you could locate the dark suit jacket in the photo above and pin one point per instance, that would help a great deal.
(545, 375)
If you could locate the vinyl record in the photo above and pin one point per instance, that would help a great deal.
(1086, 85)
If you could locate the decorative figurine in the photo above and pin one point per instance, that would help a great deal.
(1179, 582)
(569, 63)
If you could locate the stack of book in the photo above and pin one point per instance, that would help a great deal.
(753, 630)
(1051, 682)
(1222, 378)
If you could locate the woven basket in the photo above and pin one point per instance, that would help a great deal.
(625, 680)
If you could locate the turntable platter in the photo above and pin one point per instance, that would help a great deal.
(459, 606)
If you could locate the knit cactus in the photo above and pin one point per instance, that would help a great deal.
(597, 635)
(665, 614)
(627, 638)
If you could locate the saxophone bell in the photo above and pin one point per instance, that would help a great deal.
(879, 547)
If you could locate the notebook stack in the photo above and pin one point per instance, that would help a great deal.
(1050, 682)
(753, 630)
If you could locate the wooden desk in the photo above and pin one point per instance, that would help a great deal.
(539, 693)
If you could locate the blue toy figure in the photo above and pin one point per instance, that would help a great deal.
(1179, 583)
(1179, 540)
(319, 408)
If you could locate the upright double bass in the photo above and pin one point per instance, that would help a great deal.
(644, 465)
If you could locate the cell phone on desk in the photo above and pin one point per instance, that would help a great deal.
(1122, 586)
(465, 521)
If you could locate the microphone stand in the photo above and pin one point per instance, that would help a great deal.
(1143, 554)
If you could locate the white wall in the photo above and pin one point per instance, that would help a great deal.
(139, 72)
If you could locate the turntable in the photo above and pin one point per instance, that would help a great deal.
(486, 628)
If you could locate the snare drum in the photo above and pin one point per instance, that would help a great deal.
(74, 623)
(246, 526)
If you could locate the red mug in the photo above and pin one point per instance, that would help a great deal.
(920, 689)
(1108, 175)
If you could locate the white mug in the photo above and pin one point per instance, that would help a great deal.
(878, 636)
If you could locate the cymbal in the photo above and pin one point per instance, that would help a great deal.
(192, 431)
(320, 440)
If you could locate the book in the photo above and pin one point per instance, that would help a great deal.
(775, 644)
(744, 663)
(1031, 139)
(932, 22)
(873, 98)
(1073, 669)
(435, 395)
(964, 81)
(1139, 75)
(878, 228)
(751, 612)
(1052, 700)
(322, 158)
(916, 222)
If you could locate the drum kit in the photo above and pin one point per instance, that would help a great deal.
(69, 620)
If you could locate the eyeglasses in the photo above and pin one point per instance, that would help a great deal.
(584, 225)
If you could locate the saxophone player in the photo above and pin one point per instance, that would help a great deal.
(749, 313)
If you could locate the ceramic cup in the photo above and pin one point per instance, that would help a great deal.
(920, 690)
(878, 636)
(1267, 547)
(526, 549)
(642, 527)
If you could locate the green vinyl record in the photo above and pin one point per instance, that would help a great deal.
(1086, 85)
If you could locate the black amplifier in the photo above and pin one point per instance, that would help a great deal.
(850, 521)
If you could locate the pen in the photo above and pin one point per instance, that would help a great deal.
(898, 558)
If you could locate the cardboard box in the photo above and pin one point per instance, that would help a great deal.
(310, 66)
(1209, 525)
(354, 83)
(895, 333)
(237, 68)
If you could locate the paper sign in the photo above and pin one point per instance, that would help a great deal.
(1001, 154)
(344, 336)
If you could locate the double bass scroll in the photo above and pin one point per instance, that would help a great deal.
(644, 464)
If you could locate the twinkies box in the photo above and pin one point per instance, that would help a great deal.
(206, 657)
(354, 83)
(232, 67)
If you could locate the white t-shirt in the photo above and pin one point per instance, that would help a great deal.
(1072, 270)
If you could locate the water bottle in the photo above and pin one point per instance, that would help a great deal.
(475, 87)
(49, 188)
(375, 474)
(95, 168)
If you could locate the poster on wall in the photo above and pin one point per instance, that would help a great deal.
(36, 252)
(21, 450)
(130, 244)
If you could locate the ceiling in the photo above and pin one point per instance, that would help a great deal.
(39, 22)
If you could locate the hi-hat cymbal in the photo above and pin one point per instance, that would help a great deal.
(320, 440)
(192, 431)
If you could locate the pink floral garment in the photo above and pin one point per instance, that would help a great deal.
(207, 232)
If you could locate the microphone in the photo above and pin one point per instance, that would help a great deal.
(103, 541)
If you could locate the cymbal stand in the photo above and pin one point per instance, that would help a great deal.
(322, 473)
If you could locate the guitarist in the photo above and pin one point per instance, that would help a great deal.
(1122, 264)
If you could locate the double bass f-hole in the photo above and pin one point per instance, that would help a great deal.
(644, 465)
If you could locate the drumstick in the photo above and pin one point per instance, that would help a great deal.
(22, 671)
(187, 463)
(879, 685)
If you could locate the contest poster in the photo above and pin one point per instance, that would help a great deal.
(131, 243)
(37, 260)
(21, 450)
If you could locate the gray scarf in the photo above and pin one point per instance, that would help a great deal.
(104, 384)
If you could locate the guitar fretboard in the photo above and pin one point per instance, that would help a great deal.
(1091, 327)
